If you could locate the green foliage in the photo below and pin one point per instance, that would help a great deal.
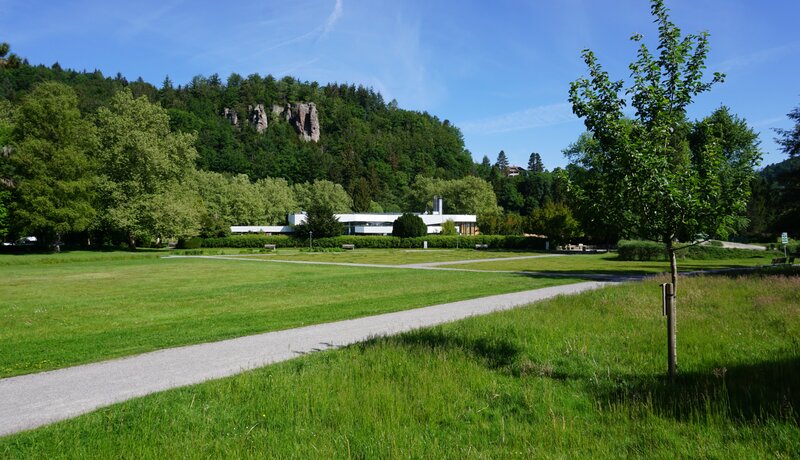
(320, 222)
(325, 194)
(449, 228)
(229, 200)
(648, 176)
(380, 242)
(5, 197)
(554, 220)
(652, 251)
(535, 164)
(409, 226)
(190, 243)
(143, 168)
(469, 195)
(789, 139)
(51, 165)
(279, 199)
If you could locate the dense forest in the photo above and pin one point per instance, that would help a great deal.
(86, 156)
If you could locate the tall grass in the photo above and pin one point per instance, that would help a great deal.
(574, 377)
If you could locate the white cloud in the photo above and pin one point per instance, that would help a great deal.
(535, 117)
(333, 17)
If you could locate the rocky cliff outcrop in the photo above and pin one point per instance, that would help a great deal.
(231, 116)
(306, 121)
(303, 116)
(258, 118)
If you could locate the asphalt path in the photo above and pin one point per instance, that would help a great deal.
(34, 400)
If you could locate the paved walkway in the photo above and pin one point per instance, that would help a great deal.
(33, 400)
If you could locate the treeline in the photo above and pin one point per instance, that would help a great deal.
(91, 158)
(372, 148)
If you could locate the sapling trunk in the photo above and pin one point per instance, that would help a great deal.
(672, 351)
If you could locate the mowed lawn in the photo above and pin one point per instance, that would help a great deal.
(61, 310)
(573, 377)
(376, 256)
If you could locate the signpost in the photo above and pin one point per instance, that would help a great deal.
(784, 241)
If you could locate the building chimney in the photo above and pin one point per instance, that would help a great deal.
(437, 205)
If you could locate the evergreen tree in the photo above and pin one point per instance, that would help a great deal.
(502, 162)
(535, 164)
(409, 226)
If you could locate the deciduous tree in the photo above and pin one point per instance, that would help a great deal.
(53, 169)
(650, 179)
(141, 163)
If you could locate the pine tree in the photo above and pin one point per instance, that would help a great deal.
(502, 162)
(535, 164)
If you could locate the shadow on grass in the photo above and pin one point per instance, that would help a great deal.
(494, 352)
(744, 394)
(747, 394)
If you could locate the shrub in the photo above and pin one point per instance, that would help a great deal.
(320, 222)
(409, 226)
(652, 251)
(191, 243)
(379, 242)
(449, 227)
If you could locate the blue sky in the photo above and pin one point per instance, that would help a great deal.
(499, 70)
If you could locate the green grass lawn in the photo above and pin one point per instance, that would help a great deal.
(574, 377)
(66, 309)
(610, 264)
(376, 256)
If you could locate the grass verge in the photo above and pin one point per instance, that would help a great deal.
(574, 377)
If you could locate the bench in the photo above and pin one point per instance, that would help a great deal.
(481, 246)
(349, 246)
(269, 247)
(779, 261)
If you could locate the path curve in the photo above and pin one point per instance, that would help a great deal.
(30, 401)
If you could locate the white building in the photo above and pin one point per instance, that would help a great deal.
(374, 223)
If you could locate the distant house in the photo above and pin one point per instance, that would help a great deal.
(513, 171)
(374, 223)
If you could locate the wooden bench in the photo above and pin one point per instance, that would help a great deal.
(269, 247)
(349, 246)
(481, 246)
(779, 261)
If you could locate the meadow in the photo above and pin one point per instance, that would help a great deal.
(579, 376)
(64, 309)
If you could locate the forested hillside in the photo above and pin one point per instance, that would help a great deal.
(372, 148)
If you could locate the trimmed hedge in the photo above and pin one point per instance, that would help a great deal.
(652, 251)
(379, 242)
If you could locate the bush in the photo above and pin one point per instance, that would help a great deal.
(191, 243)
(379, 242)
(320, 223)
(409, 226)
(652, 251)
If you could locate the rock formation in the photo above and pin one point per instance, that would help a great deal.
(303, 116)
(258, 118)
(231, 116)
(306, 121)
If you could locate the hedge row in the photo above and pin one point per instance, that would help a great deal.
(378, 242)
(651, 251)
